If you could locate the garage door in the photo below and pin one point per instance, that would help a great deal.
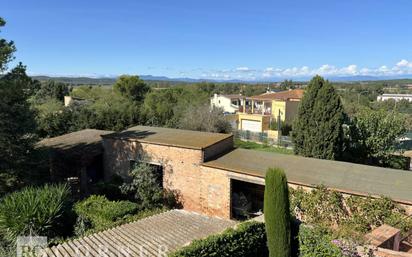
(252, 125)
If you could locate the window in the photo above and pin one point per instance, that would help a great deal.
(156, 168)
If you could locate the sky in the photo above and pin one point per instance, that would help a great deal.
(211, 39)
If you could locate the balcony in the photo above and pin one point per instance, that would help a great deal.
(248, 110)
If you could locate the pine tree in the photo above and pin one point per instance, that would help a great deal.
(317, 131)
(277, 215)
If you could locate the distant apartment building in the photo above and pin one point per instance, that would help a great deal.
(229, 103)
(256, 112)
(68, 100)
(395, 97)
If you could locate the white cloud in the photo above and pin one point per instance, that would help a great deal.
(243, 69)
(404, 63)
(403, 67)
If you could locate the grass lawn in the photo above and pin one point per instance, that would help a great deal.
(261, 147)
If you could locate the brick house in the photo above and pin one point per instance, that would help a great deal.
(211, 177)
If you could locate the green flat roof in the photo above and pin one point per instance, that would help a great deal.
(343, 176)
(79, 143)
(171, 137)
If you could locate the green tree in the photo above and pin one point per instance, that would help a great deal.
(165, 107)
(286, 84)
(371, 137)
(132, 87)
(205, 118)
(51, 90)
(318, 129)
(7, 48)
(145, 187)
(17, 126)
(277, 215)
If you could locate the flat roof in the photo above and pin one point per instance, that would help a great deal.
(342, 176)
(171, 137)
(83, 142)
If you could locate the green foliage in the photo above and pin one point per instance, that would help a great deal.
(319, 206)
(368, 213)
(165, 107)
(108, 111)
(17, 125)
(131, 87)
(144, 188)
(7, 49)
(277, 215)
(97, 212)
(247, 240)
(317, 131)
(35, 211)
(348, 216)
(205, 118)
(109, 189)
(261, 147)
(51, 90)
(372, 137)
(315, 242)
(52, 119)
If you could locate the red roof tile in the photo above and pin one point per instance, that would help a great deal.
(283, 95)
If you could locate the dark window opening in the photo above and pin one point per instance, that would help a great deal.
(95, 170)
(247, 200)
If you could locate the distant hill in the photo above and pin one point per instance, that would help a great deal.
(162, 79)
(78, 80)
(112, 80)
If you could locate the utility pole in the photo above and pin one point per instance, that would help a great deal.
(279, 128)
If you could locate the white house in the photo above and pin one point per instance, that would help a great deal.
(229, 103)
(396, 97)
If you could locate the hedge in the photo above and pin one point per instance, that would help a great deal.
(100, 212)
(248, 239)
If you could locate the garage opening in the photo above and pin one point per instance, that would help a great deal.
(251, 125)
(247, 199)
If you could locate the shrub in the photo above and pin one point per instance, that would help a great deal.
(110, 189)
(320, 205)
(369, 213)
(247, 240)
(35, 211)
(97, 212)
(277, 215)
(351, 216)
(144, 187)
(315, 242)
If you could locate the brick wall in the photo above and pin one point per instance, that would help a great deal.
(201, 189)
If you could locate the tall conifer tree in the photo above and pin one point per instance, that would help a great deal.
(317, 131)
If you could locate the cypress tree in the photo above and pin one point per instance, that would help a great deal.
(277, 215)
(317, 131)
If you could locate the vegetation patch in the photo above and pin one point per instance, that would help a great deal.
(261, 147)
(97, 213)
(247, 240)
(349, 217)
(35, 211)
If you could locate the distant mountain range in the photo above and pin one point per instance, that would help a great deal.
(111, 80)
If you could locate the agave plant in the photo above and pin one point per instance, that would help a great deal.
(33, 211)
